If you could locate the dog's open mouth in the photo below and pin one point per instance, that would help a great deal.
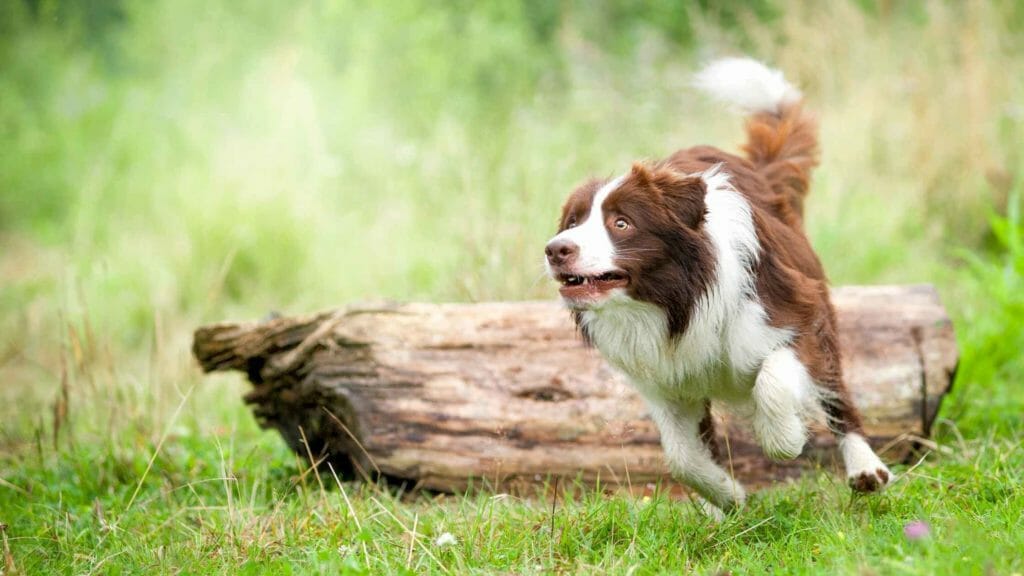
(584, 287)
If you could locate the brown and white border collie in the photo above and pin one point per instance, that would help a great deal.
(693, 276)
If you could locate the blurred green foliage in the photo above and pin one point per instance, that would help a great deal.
(167, 163)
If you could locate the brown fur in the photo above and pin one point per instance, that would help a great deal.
(707, 432)
(784, 149)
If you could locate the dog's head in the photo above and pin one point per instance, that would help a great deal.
(639, 236)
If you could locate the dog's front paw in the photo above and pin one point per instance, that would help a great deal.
(717, 512)
(870, 480)
(710, 510)
(781, 439)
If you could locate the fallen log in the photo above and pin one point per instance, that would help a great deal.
(506, 394)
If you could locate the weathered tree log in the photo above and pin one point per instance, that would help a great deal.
(506, 394)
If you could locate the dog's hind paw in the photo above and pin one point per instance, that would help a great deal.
(865, 471)
(870, 480)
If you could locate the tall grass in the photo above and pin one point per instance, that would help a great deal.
(202, 161)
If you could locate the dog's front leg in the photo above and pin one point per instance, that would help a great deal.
(689, 458)
(780, 391)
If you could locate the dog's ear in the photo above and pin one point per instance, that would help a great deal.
(641, 175)
(683, 194)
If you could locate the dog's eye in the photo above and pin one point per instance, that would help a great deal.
(621, 224)
(571, 223)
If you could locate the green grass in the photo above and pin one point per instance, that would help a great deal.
(170, 163)
(236, 501)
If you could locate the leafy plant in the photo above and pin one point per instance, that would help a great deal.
(989, 389)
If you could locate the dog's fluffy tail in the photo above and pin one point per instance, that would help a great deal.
(782, 139)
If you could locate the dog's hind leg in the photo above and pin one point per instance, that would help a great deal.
(865, 471)
(684, 431)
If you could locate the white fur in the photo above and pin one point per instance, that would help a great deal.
(746, 85)
(783, 395)
(597, 251)
(690, 460)
(859, 459)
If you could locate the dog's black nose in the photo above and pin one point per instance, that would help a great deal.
(561, 251)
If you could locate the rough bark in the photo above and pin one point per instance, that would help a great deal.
(506, 394)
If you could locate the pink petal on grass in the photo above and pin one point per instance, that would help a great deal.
(917, 530)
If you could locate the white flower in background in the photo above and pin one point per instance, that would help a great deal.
(446, 539)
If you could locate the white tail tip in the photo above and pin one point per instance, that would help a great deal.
(747, 85)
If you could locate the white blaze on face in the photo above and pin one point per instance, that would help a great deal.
(597, 251)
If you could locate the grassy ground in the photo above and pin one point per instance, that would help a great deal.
(208, 506)
(172, 163)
